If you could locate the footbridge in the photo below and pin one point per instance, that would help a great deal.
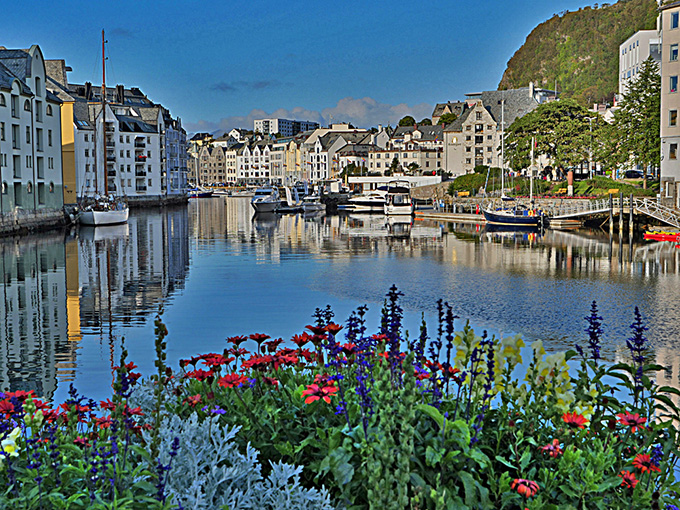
(583, 209)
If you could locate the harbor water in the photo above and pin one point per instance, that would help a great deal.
(71, 300)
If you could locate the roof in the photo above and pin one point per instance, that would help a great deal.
(134, 125)
(457, 125)
(518, 102)
(427, 132)
(17, 61)
(455, 108)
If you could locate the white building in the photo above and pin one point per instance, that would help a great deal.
(283, 127)
(633, 52)
(30, 135)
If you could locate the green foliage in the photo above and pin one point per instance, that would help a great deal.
(563, 131)
(425, 122)
(579, 50)
(447, 118)
(407, 121)
(638, 119)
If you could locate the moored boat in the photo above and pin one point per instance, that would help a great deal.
(373, 201)
(518, 216)
(313, 203)
(266, 200)
(398, 199)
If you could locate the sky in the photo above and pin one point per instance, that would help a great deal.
(220, 65)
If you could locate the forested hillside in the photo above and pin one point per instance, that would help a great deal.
(579, 50)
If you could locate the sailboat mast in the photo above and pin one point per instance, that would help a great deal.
(531, 173)
(106, 177)
(502, 144)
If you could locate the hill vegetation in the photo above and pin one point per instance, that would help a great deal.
(579, 50)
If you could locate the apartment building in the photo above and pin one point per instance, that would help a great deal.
(633, 52)
(30, 136)
(670, 103)
(283, 127)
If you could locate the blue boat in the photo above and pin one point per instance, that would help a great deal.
(518, 216)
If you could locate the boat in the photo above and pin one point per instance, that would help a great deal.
(103, 209)
(658, 235)
(518, 216)
(292, 204)
(373, 201)
(398, 199)
(200, 192)
(313, 203)
(266, 200)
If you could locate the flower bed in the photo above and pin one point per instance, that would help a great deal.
(370, 420)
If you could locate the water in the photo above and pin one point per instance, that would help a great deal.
(70, 300)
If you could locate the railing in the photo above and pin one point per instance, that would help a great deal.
(658, 211)
(140, 173)
(140, 189)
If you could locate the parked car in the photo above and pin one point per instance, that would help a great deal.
(633, 174)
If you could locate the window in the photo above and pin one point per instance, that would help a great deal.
(4, 187)
(150, 183)
(27, 105)
(87, 168)
(85, 137)
(673, 151)
(49, 110)
(127, 154)
(51, 187)
(674, 84)
(2, 100)
(28, 134)
(15, 107)
(468, 161)
(488, 149)
(488, 161)
(468, 149)
(120, 138)
(479, 139)
(87, 153)
(489, 137)
(479, 128)
(674, 52)
(468, 128)
(674, 19)
(2, 131)
(478, 115)
(673, 118)
(468, 138)
(38, 111)
(29, 187)
(49, 137)
(121, 153)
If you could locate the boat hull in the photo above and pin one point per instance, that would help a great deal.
(398, 210)
(506, 218)
(265, 206)
(99, 218)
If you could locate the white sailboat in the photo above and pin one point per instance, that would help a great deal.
(106, 209)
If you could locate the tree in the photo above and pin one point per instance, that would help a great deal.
(394, 166)
(407, 121)
(561, 130)
(425, 122)
(639, 117)
(447, 118)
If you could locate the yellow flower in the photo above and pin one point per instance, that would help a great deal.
(9, 445)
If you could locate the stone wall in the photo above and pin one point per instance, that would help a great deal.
(28, 220)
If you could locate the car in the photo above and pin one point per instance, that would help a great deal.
(633, 174)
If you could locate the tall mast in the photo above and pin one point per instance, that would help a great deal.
(502, 144)
(106, 171)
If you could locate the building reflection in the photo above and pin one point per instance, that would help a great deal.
(59, 291)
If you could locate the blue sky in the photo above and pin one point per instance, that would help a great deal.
(219, 65)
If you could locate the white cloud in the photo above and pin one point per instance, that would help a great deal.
(361, 112)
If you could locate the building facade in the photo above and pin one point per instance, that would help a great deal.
(633, 52)
(670, 103)
(30, 136)
(283, 127)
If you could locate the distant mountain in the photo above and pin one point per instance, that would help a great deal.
(579, 50)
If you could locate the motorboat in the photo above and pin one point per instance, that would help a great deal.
(518, 216)
(313, 203)
(373, 201)
(266, 200)
(292, 204)
(200, 192)
(398, 199)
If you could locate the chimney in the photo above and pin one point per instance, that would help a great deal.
(120, 94)
(88, 90)
(531, 89)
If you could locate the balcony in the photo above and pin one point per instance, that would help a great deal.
(111, 157)
(140, 189)
(140, 158)
(140, 173)
(111, 173)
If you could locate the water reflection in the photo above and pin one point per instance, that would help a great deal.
(217, 269)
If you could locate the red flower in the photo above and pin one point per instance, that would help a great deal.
(317, 330)
(301, 340)
(333, 328)
(81, 441)
(644, 463)
(272, 345)
(380, 338)
(574, 420)
(199, 374)
(257, 362)
(6, 407)
(629, 479)
(271, 381)
(552, 449)
(259, 337)
(107, 405)
(232, 380)
(631, 420)
(216, 360)
(20, 394)
(237, 340)
(314, 392)
(193, 401)
(237, 351)
(104, 422)
(525, 488)
(349, 348)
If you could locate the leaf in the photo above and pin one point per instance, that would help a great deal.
(505, 463)
(470, 489)
(342, 470)
(609, 483)
(433, 413)
(433, 456)
(525, 459)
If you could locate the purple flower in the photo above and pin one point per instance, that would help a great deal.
(594, 331)
(637, 344)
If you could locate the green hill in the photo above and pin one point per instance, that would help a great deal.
(579, 50)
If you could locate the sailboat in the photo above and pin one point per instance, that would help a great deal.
(106, 209)
(518, 216)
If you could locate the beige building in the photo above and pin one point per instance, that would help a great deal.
(670, 103)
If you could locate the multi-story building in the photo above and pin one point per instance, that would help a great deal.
(283, 127)
(440, 109)
(417, 149)
(670, 103)
(475, 138)
(633, 52)
(141, 152)
(30, 137)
